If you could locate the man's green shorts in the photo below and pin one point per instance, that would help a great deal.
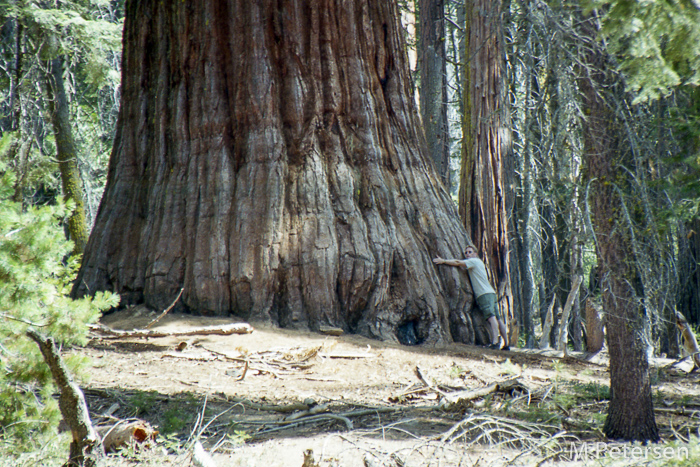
(488, 304)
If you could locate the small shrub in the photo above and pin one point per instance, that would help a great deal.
(35, 275)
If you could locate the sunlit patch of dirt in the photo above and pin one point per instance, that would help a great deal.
(267, 397)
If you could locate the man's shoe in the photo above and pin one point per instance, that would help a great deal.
(495, 346)
(506, 347)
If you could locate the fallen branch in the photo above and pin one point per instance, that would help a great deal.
(226, 330)
(497, 431)
(284, 424)
(270, 407)
(347, 355)
(455, 399)
(562, 339)
(86, 445)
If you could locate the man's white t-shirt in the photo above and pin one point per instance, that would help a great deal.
(477, 273)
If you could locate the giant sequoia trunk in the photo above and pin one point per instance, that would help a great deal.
(486, 147)
(268, 160)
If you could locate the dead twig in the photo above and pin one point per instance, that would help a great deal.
(243, 373)
(430, 386)
(165, 312)
(536, 447)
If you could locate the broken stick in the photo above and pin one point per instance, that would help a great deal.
(458, 398)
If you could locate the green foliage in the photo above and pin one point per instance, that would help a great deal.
(175, 420)
(173, 416)
(35, 274)
(43, 171)
(592, 391)
(51, 452)
(72, 31)
(658, 43)
(86, 34)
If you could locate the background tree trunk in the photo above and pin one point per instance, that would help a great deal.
(689, 259)
(433, 83)
(630, 413)
(689, 239)
(66, 153)
(486, 146)
(269, 159)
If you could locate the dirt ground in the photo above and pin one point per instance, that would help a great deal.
(367, 403)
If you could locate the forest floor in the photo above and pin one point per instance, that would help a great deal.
(367, 403)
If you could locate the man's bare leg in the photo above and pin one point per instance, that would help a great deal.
(493, 331)
(504, 333)
(497, 327)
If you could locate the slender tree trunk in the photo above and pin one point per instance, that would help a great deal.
(550, 258)
(433, 83)
(631, 412)
(66, 154)
(486, 147)
(19, 149)
(525, 205)
(269, 160)
(11, 36)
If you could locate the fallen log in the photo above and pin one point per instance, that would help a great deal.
(124, 433)
(226, 330)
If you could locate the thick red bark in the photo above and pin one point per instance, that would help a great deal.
(269, 160)
(486, 147)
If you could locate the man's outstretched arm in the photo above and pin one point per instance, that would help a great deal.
(449, 262)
